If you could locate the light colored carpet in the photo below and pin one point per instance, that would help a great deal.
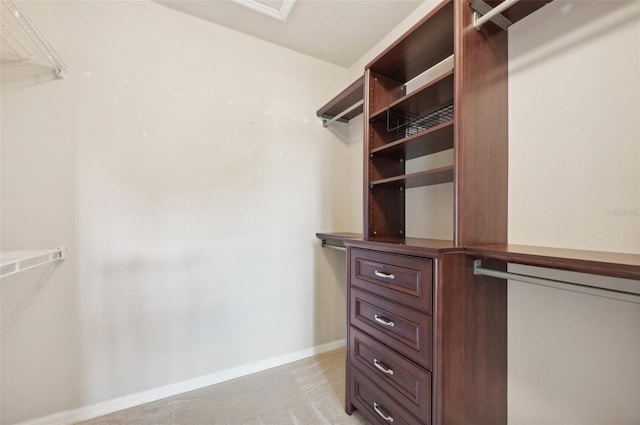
(309, 392)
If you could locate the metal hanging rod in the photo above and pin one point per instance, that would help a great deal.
(19, 261)
(325, 123)
(620, 295)
(21, 39)
(485, 13)
(336, 247)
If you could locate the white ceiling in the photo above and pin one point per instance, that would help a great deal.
(337, 31)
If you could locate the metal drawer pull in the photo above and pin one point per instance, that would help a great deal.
(382, 415)
(383, 321)
(385, 275)
(382, 367)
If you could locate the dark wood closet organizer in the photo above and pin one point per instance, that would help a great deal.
(427, 340)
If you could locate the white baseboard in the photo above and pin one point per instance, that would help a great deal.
(84, 413)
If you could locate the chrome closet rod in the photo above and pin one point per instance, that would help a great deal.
(343, 113)
(478, 22)
(558, 284)
(336, 247)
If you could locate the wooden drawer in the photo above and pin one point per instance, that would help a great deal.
(408, 383)
(404, 279)
(377, 405)
(404, 330)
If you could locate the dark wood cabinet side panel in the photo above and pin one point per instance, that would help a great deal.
(383, 91)
(382, 167)
(481, 132)
(472, 343)
(428, 42)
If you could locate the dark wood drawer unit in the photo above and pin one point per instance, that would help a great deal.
(408, 383)
(441, 361)
(377, 405)
(404, 279)
(405, 330)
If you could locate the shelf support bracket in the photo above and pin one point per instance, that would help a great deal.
(484, 13)
(30, 261)
(25, 40)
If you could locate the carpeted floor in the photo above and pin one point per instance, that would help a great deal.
(309, 392)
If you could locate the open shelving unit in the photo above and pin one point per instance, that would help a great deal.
(435, 117)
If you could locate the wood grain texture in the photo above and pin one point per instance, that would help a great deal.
(409, 384)
(420, 178)
(433, 140)
(470, 358)
(595, 262)
(409, 246)
(410, 283)
(480, 133)
(432, 96)
(384, 206)
(346, 98)
(410, 334)
(383, 91)
(420, 47)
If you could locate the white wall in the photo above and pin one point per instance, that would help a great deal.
(184, 165)
(574, 182)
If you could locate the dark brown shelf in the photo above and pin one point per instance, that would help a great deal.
(348, 97)
(421, 178)
(593, 262)
(436, 139)
(428, 42)
(434, 95)
(415, 246)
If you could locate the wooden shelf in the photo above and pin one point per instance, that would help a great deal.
(593, 262)
(436, 139)
(434, 95)
(427, 43)
(345, 99)
(417, 246)
(419, 179)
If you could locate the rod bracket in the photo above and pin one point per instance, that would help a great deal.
(476, 266)
(480, 9)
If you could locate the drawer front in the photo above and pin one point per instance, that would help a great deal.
(377, 405)
(408, 383)
(400, 328)
(407, 280)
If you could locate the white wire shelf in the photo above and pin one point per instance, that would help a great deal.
(23, 41)
(12, 262)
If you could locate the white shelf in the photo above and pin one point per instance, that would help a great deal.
(12, 262)
(23, 41)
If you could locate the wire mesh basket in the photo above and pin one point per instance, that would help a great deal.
(404, 124)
